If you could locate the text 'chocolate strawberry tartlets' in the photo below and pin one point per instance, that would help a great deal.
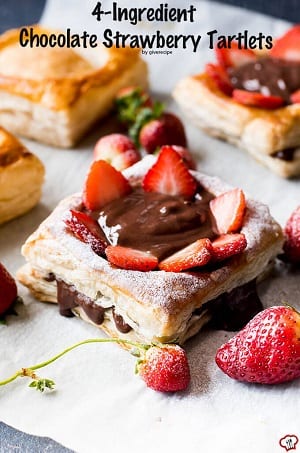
(148, 254)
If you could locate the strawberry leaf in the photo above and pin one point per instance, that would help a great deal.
(144, 116)
(129, 105)
(42, 384)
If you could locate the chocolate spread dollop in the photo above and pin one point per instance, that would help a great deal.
(269, 76)
(157, 223)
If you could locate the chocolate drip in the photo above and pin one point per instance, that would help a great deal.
(232, 311)
(120, 323)
(50, 277)
(66, 298)
(286, 154)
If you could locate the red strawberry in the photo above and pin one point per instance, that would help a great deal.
(166, 130)
(288, 46)
(186, 156)
(219, 75)
(103, 184)
(228, 245)
(131, 259)
(196, 254)
(87, 230)
(8, 290)
(292, 243)
(295, 97)
(165, 368)
(169, 175)
(228, 211)
(257, 99)
(234, 56)
(266, 351)
(118, 150)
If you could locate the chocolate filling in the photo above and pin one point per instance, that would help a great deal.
(157, 223)
(269, 76)
(286, 154)
(120, 323)
(50, 277)
(232, 311)
(68, 297)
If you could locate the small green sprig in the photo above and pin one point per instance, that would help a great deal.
(143, 117)
(41, 384)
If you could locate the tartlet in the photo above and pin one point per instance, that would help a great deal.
(116, 291)
(21, 177)
(251, 100)
(54, 94)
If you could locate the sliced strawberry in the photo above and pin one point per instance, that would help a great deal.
(234, 56)
(8, 290)
(197, 254)
(219, 75)
(87, 230)
(228, 245)
(169, 175)
(288, 46)
(103, 184)
(228, 211)
(131, 259)
(257, 99)
(295, 97)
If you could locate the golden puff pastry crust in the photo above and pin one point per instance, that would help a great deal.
(261, 132)
(21, 177)
(157, 305)
(54, 95)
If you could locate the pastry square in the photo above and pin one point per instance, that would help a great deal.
(146, 306)
(21, 177)
(54, 94)
(251, 99)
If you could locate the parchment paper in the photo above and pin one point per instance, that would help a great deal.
(99, 405)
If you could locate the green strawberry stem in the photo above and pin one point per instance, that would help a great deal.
(29, 371)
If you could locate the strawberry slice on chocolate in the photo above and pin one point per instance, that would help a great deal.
(197, 254)
(220, 77)
(288, 46)
(233, 57)
(255, 99)
(130, 259)
(228, 211)
(295, 97)
(228, 245)
(87, 230)
(169, 175)
(103, 184)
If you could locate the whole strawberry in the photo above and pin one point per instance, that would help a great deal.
(165, 368)
(292, 243)
(165, 130)
(8, 290)
(266, 351)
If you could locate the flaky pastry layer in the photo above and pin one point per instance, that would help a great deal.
(158, 305)
(21, 177)
(261, 132)
(54, 95)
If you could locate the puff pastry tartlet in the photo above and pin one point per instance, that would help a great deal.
(150, 293)
(54, 95)
(251, 100)
(21, 177)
